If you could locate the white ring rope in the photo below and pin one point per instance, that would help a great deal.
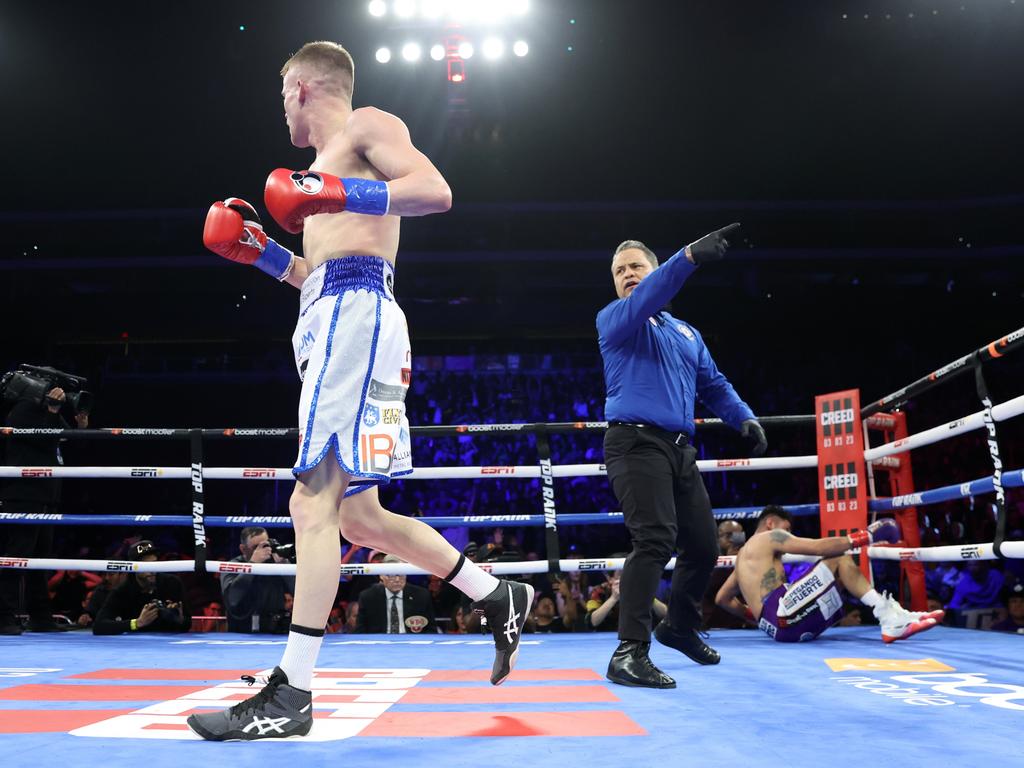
(1001, 412)
(426, 473)
(948, 554)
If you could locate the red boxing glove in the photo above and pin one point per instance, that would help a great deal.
(291, 196)
(233, 230)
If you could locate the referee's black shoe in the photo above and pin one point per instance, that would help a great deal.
(687, 642)
(630, 665)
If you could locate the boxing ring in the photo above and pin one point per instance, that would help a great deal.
(952, 695)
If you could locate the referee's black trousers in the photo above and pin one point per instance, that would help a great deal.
(667, 511)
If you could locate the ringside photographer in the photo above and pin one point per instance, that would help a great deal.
(257, 603)
(145, 602)
(34, 398)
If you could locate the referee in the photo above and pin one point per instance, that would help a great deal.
(655, 367)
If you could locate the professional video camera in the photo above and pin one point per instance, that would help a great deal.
(33, 383)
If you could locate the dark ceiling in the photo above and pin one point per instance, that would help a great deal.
(872, 151)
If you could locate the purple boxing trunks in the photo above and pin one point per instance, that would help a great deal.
(797, 612)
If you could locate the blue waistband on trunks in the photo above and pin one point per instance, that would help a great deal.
(351, 273)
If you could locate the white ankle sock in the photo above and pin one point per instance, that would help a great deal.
(469, 578)
(872, 599)
(300, 655)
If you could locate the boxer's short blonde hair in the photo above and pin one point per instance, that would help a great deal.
(328, 59)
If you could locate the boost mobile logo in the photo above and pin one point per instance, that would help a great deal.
(949, 368)
(939, 689)
(256, 432)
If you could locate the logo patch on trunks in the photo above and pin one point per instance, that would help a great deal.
(392, 416)
(386, 392)
(371, 415)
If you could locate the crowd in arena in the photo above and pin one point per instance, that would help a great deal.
(979, 594)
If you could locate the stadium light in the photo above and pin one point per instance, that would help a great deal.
(411, 51)
(432, 9)
(465, 50)
(378, 8)
(383, 55)
(520, 48)
(493, 48)
(405, 9)
(437, 52)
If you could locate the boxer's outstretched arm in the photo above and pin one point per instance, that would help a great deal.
(785, 542)
(415, 186)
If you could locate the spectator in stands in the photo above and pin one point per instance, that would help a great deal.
(146, 602)
(1014, 621)
(545, 618)
(979, 587)
(443, 595)
(351, 617)
(396, 607)
(603, 607)
(731, 537)
(69, 592)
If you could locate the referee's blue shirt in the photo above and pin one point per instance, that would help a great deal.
(655, 365)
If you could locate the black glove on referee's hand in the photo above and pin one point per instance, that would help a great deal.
(753, 431)
(712, 247)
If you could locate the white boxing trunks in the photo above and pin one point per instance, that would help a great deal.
(351, 347)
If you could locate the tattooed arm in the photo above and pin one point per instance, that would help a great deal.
(784, 541)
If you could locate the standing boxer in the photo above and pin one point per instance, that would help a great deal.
(351, 348)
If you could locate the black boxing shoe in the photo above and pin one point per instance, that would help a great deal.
(687, 642)
(506, 610)
(630, 665)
